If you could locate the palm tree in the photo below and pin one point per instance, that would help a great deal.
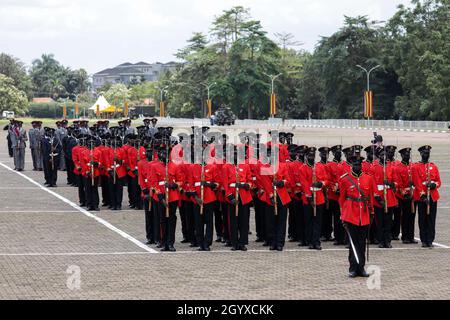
(56, 88)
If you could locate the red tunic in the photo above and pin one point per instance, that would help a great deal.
(76, 158)
(108, 161)
(158, 179)
(85, 159)
(132, 160)
(229, 181)
(420, 178)
(266, 178)
(209, 195)
(378, 177)
(334, 174)
(307, 180)
(353, 210)
(294, 169)
(404, 179)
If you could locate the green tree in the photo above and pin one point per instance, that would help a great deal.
(418, 51)
(15, 69)
(11, 98)
(118, 94)
(42, 72)
(142, 91)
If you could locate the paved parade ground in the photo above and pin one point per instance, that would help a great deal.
(47, 241)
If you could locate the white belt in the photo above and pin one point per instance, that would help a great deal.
(198, 184)
(315, 189)
(425, 182)
(381, 187)
(254, 178)
(298, 184)
(161, 183)
(232, 185)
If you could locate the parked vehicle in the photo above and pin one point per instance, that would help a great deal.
(8, 115)
(224, 116)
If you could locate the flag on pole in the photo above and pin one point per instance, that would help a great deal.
(273, 105)
(368, 104)
(98, 111)
(76, 110)
(161, 109)
(209, 104)
(126, 109)
(65, 111)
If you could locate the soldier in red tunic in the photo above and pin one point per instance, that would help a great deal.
(272, 180)
(90, 160)
(427, 181)
(313, 181)
(385, 180)
(327, 217)
(356, 200)
(335, 174)
(203, 187)
(104, 149)
(396, 223)
(133, 157)
(405, 195)
(237, 181)
(76, 158)
(165, 178)
(115, 163)
(144, 171)
(296, 226)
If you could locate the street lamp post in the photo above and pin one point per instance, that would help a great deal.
(272, 79)
(161, 90)
(208, 88)
(368, 77)
(368, 74)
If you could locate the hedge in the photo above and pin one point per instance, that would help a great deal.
(53, 110)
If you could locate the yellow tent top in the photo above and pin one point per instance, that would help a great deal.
(111, 109)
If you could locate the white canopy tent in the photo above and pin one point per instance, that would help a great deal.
(101, 102)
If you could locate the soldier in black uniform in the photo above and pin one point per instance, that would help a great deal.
(68, 143)
(52, 154)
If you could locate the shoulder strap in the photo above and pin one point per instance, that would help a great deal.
(356, 186)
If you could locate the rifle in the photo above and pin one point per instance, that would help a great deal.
(91, 155)
(411, 184)
(237, 190)
(428, 188)
(202, 178)
(314, 180)
(52, 149)
(275, 193)
(115, 162)
(167, 180)
(384, 186)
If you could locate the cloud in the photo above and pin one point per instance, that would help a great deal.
(99, 34)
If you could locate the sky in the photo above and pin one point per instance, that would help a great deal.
(98, 34)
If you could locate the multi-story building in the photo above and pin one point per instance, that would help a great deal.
(126, 72)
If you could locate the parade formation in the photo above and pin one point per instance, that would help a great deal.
(353, 196)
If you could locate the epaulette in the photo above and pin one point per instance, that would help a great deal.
(344, 175)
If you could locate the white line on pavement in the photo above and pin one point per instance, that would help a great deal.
(85, 212)
(437, 244)
(31, 254)
(43, 211)
(38, 254)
